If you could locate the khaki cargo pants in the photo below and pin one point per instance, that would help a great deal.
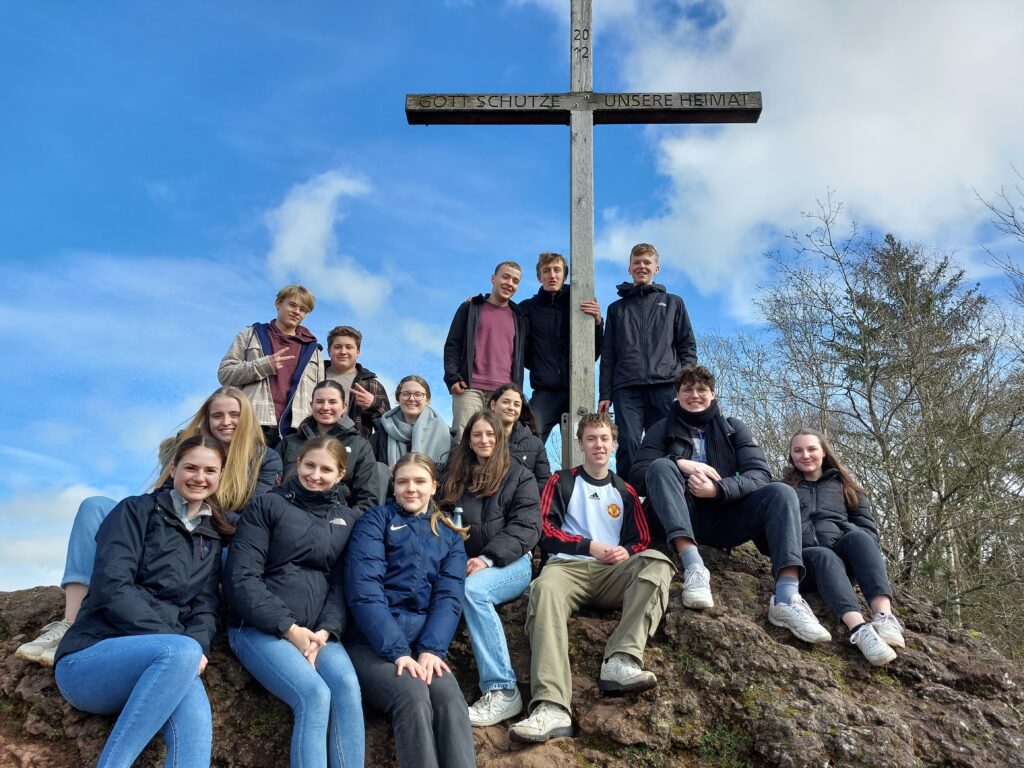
(638, 585)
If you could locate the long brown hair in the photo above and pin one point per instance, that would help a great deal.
(220, 522)
(467, 472)
(244, 454)
(852, 490)
(424, 462)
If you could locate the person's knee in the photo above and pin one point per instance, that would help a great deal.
(662, 468)
(859, 540)
(476, 591)
(92, 512)
(411, 700)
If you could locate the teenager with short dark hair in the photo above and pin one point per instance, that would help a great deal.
(367, 399)
(500, 505)
(840, 543)
(596, 540)
(277, 364)
(486, 345)
(708, 482)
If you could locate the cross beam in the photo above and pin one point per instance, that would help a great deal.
(581, 109)
(557, 108)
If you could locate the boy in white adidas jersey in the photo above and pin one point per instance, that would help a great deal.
(596, 540)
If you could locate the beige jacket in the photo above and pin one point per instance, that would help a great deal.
(246, 366)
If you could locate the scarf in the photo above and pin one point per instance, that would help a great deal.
(429, 434)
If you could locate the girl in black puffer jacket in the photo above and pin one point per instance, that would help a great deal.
(513, 411)
(284, 582)
(840, 538)
(501, 507)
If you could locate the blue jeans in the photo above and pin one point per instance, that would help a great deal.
(82, 542)
(484, 590)
(326, 702)
(153, 681)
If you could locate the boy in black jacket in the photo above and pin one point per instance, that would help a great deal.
(708, 482)
(647, 339)
(596, 539)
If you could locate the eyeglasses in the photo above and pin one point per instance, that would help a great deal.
(695, 390)
(415, 396)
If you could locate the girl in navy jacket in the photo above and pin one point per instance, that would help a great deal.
(501, 507)
(284, 584)
(404, 575)
(839, 539)
(142, 635)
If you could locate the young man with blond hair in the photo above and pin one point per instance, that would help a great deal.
(595, 537)
(277, 364)
(367, 399)
(547, 346)
(647, 339)
(486, 346)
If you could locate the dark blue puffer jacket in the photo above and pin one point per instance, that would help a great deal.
(403, 584)
(151, 576)
(285, 562)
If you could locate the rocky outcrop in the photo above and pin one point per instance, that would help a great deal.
(733, 691)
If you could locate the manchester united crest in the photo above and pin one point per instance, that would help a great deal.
(614, 510)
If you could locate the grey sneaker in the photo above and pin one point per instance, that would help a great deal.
(697, 588)
(888, 628)
(548, 721)
(872, 646)
(43, 648)
(495, 706)
(621, 674)
(799, 619)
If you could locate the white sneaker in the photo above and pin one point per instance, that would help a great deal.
(697, 588)
(799, 619)
(495, 706)
(888, 628)
(43, 648)
(872, 646)
(621, 674)
(547, 722)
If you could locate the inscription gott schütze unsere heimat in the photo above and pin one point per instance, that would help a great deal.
(599, 100)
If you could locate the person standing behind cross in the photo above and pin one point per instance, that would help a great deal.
(367, 399)
(486, 346)
(277, 364)
(647, 340)
(547, 346)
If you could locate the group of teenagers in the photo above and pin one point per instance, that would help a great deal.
(349, 538)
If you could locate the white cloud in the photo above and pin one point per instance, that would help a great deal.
(31, 561)
(305, 243)
(51, 505)
(427, 337)
(902, 108)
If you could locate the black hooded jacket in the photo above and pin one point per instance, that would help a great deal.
(285, 563)
(547, 346)
(824, 518)
(647, 338)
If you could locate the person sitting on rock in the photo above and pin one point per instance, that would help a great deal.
(840, 538)
(596, 539)
(251, 469)
(501, 507)
(509, 404)
(708, 481)
(138, 647)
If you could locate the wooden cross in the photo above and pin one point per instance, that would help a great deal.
(581, 109)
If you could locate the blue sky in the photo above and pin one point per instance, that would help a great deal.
(166, 167)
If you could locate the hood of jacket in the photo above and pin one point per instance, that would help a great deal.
(632, 289)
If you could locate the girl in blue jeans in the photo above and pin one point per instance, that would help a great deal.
(840, 540)
(251, 469)
(142, 635)
(284, 581)
(501, 507)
